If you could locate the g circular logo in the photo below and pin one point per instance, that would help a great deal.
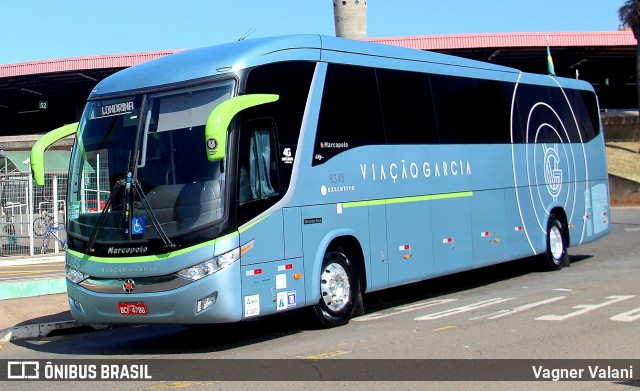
(552, 172)
(548, 162)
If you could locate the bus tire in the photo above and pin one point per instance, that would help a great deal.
(556, 254)
(338, 291)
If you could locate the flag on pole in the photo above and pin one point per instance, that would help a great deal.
(552, 71)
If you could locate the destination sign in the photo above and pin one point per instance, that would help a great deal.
(114, 109)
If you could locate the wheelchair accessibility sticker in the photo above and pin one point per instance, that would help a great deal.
(138, 225)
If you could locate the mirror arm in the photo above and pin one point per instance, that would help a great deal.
(220, 118)
(37, 151)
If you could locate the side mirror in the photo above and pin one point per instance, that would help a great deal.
(215, 132)
(43, 143)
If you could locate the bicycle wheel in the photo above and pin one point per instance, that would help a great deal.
(39, 226)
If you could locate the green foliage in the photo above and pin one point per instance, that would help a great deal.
(629, 13)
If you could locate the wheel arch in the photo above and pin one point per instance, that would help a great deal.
(561, 215)
(340, 239)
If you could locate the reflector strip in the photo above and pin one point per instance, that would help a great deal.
(288, 266)
(254, 272)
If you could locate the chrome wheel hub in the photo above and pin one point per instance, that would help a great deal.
(555, 243)
(335, 287)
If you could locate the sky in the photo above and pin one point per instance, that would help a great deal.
(34, 30)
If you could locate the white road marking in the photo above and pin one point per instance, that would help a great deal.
(466, 308)
(522, 308)
(628, 316)
(584, 308)
(401, 310)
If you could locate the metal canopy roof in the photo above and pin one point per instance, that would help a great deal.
(605, 59)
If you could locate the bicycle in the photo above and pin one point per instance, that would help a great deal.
(40, 224)
(52, 230)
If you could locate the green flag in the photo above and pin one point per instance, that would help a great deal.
(552, 71)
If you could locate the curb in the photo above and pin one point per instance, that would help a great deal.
(32, 260)
(16, 290)
(32, 331)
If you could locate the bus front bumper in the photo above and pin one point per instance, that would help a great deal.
(179, 305)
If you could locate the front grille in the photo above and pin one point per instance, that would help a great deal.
(142, 284)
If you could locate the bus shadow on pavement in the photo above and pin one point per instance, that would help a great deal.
(459, 282)
(180, 339)
(167, 339)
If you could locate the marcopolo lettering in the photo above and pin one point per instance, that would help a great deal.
(127, 250)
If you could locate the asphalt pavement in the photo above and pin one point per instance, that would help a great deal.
(33, 299)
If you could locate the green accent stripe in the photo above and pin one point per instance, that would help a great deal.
(150, 258)
(246, 227)
(401, 200)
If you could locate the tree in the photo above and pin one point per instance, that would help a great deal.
(629, 14)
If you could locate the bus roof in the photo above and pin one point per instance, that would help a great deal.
(234, 56)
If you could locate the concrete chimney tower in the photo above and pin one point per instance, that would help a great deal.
(350, 18)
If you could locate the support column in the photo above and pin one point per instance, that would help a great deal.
(350, 18)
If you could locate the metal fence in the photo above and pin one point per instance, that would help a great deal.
(21, 203)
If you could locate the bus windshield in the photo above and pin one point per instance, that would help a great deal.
(139, 169)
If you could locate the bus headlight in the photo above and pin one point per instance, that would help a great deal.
(74, 275)
(211, 266)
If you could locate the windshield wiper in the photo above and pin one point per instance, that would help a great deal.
(154, 220)
(103, 215)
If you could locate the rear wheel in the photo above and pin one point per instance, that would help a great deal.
(338, 291)
(556, 254)
(39, 226)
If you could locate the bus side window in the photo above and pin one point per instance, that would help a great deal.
(258, 174)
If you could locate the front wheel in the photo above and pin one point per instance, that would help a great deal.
(556, 255)
(338, 290)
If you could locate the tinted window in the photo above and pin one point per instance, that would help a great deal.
(585, 107)
(560, 104)
(471, 111)
(291, 81)
(268, 136)
(541, 108)
(350, 112)
(407, 107)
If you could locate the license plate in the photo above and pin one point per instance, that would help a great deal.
(132, 309)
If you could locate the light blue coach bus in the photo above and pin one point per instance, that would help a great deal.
(266, 175)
